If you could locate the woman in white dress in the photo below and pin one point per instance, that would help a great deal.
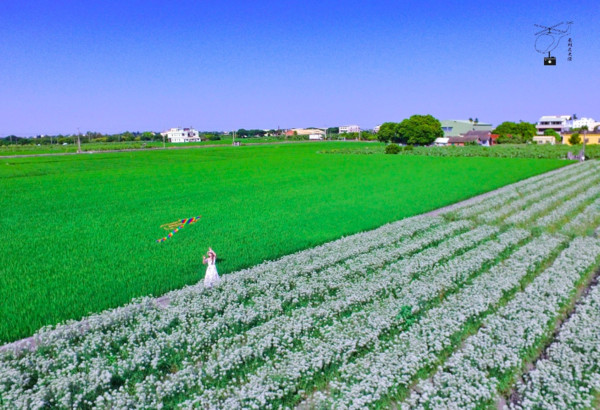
(212, 277)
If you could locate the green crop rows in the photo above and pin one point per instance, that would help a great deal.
(497, 151)
(77, 233)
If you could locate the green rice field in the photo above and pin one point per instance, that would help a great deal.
(11, 150)
(78, 233)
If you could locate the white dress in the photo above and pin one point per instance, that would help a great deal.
(212, 277)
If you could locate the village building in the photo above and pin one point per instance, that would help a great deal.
(592, 138)
(344, 129)
(558, 123)
(305, 131)
(544, 139)
(455, 128)
(484, 138)
(582, 122)
(178, 135)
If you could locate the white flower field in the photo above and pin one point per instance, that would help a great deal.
(491, 304)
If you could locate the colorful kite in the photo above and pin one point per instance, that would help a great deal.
(176, 226)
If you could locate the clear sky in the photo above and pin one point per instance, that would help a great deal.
(112, 66)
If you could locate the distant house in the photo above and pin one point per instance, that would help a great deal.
(349, 128)
(461, 141)
(181, 135)
(455, 128)
(592, 138)
(544, 139)
(581, 122)
(441, 142)
(485, 138)
(558, 123)
(304, 131)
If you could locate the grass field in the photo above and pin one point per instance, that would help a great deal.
(78, 233)
(9, 150)
(494, 304)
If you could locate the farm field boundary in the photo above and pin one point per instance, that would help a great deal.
(453, 306)
(78, 233)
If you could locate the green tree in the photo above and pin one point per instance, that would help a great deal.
(126, 136)
(368, 136)
(556, 135)
(147, 136)
(419, 130)
(515, 133)
(388, 132)
(575, 139)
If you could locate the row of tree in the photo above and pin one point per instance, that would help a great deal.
(416, 130)
(90, 137)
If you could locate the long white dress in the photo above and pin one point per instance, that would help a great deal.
(212, 277)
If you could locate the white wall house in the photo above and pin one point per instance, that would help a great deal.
(580, 122)
(349, 128)
(558, 123)
(182, 135)
(544, 139)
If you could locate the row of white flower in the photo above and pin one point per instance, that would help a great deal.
(569, 374)
(512, 192)
(551, 201)
(394, 364)
(346, 337)
(568, 207)
(88, 360)
(470, 376)
(584, 219)
(281, 333)
(549, 188)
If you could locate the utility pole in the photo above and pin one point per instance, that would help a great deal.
(583, 150)
(78, 141)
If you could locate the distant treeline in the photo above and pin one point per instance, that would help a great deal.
(90, 137)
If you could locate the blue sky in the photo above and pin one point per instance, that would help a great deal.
(111, 66)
